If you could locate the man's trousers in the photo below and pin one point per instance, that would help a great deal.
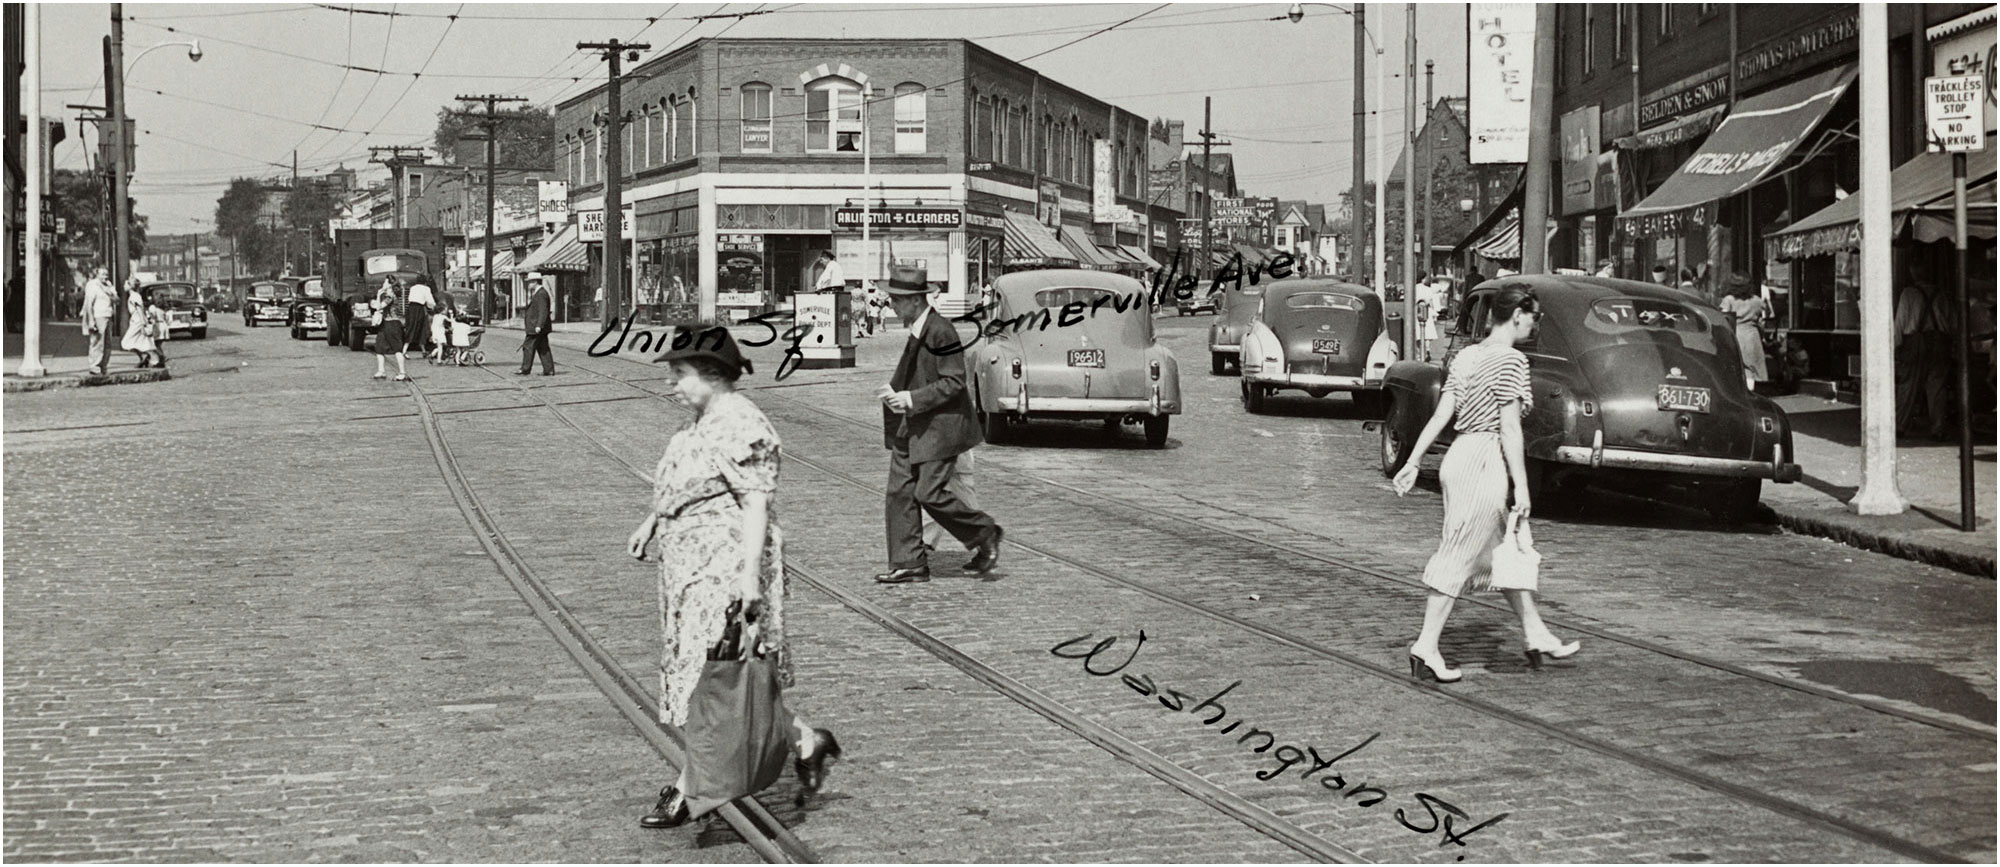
(927, 486)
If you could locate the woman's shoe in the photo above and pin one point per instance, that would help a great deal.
(670, 812)
(1424, 669)
(379, 376)
(812, 767)
(1554, 651)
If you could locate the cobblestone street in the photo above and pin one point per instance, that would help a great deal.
(283, 641)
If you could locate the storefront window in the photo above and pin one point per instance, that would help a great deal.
(833, 116)
(757, 118)
(669, 290)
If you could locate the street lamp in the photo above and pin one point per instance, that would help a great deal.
(1297, 14)
(193, 47)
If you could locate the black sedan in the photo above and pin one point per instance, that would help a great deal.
(1635, 385)
(268, 301)
(181, 302)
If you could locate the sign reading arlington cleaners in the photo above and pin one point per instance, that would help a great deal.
(901, 218)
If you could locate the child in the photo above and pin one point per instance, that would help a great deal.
(441, 323)
(156, 323)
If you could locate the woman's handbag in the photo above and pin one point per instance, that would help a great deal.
(739, 735)
(1516, 564)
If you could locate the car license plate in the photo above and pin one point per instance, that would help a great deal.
(1086, 358)
(1326, 347)
(1683, 397)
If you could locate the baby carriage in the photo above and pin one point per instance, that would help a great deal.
(461, 346)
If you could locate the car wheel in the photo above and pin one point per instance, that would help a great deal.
(1740, 501)
(1253, 398)
(1395, 451)
(1218, 364)
(357, 339)
(1368, 403)
(1156, 431)
(200, 333)
(994, 426)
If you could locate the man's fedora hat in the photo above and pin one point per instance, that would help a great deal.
(907, 280)
(713, 343)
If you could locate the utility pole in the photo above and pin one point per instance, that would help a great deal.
(1430, 165)
(1541, 123)
(491, 122)
(614, 170)
(31, 79)
(1878, 494)
(397, 158)
(1208, 143)
(121, 199)
(1410, 180)
(1358, 200)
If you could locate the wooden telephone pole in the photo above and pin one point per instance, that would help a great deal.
(1208, 142)
(491, 122)
(614, 170)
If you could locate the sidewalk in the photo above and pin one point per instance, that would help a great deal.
(1827, 437)
(64, 348)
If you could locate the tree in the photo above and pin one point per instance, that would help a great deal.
(526, 139)
(80, 198)
(309, 206)
(237, 212)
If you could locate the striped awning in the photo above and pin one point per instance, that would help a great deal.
(562, 253)
(1087, 251)
(1030, 241)
(1140, 255)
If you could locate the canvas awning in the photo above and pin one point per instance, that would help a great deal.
(562, 253)
(1509, 208)
(1126, 260)
(1920, 205)
(1141, 256)
(1744, 148)
(1086, 250)
(1028, 240)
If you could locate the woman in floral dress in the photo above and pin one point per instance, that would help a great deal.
(712, 495)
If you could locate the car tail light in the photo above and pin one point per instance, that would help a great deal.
(1155, 369)
(1016, 368)
(1768, 424)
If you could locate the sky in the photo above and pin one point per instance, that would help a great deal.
(270, 81)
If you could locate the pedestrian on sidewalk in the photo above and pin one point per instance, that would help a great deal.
(927, 422)
(138, 337)
(535, 324)
(1486, 394)
(720, 545)
(389, 340)
(1924, 353)
(100, 310)
(421, 304)
(1745, 306)
(831, 278)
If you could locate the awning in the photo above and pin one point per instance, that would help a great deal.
(1126, 260)
(1509, 208)
(1920, 197)
(1028, 240)
(561, 253)
(1253, 256)
(1504, 241)
(1141, 256)
(503, 263)
(1680, 130)
(1086, 250)
(1752, 141)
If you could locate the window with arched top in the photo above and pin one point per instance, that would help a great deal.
(1048, 137)
(1003, 115)
(755, 99)
(911, 117)
(833, 116)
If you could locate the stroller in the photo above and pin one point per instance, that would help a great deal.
(460, 345)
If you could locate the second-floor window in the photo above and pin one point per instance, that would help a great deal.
(1589, 39)
(833, 116)
(757, 118)
(1619, 24)
(982, 129)
(1666, 20)
(910, 118)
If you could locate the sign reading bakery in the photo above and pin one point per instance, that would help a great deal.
(919, 219)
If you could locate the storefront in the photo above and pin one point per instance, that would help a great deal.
(1031, 245)
(563, 258)
(919, 237)
(669, 260)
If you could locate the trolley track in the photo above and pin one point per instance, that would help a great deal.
(763, 832)
(1767, 800)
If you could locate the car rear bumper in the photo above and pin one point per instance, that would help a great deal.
(1225, 347)
(1020, 403)
(1778, 470)
(271, 315)
(1312, 380)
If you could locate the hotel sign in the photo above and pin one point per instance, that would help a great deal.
(901, 218)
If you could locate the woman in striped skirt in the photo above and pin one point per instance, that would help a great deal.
(1486, 395)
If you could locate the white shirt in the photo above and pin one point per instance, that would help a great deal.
(421, 294)
(831, 277)
(917, 327)
(98, 299)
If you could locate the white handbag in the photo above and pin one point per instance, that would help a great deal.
(1516, 563)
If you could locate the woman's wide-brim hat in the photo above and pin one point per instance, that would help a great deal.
(713, 343)
(907, 280)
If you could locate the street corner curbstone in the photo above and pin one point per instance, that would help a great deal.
(1854, 530)
(121, 377)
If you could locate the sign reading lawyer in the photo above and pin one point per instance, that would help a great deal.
(1502, 59)
(900, 218)
(1955, 114)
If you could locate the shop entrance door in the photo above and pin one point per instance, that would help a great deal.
(792, 260)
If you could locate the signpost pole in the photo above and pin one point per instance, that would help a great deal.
(1968, 519)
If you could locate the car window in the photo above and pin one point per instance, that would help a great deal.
(1322, 301)
(1084, 295)
(169, 291)
(390, 263)
(314, 289)
(1621, 321)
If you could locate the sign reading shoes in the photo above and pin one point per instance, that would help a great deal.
(901, 218)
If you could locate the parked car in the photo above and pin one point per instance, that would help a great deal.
(186, 315)
(1199, 303)
(1236, 307)
(1072, 344)
(308, 311)
(1635, 385)
(268, 301)
(1318, 336)
(218, 299)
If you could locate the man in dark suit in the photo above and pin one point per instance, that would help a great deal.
(927, 422)
(536, 322)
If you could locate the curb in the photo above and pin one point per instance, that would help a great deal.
(1899, 545)
(122, 377)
